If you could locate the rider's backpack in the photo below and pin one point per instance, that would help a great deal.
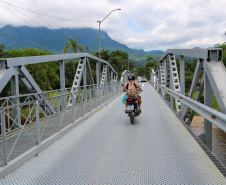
(131, 89)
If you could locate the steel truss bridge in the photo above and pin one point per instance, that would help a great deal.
(81, 135)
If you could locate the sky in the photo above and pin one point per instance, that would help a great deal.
(140, 24)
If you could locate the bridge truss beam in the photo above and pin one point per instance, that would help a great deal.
(209, 76)
(13, 69)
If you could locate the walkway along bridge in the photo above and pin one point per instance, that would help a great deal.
(81, 135)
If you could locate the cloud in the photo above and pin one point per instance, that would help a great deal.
(141, 24)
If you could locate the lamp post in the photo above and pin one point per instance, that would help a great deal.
(128, 63)
(99, 27)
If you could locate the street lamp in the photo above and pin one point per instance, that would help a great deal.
(99, 27)
(128, 63)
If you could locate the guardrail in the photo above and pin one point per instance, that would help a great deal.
(32, 125)
(215, 117)
(208, 79)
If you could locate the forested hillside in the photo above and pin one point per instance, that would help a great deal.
(53, 41)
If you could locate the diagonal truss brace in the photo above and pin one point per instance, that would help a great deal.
(104, 77)
(77, 80)
(115, 81)
(89, 75)
(195, 86)
(174, 79)
(29, 83)
(161, 77)
(6, 75)
(33, 87)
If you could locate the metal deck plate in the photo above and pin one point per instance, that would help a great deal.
(107, 149)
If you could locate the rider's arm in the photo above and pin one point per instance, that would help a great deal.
(124, 87)
(137, 84)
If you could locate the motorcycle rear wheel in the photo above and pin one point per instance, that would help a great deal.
(131, 117)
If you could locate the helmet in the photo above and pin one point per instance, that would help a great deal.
(131, 77)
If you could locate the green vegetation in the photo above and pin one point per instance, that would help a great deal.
(2, 47)
(214, 101)
(223, 46)
(27, 37)
(47, 74)
(44, 74)
(71, 44)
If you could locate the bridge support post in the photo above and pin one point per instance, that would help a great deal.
(85, 81)
(37, 123)
(58, 113)
(82, 103)
(14, 82)
(208, 102)
(98, 77)
(182, 82)
(90, 100)
(166, 76)
(104, 90)
(95, 95)
(3, 131)
(62, 83)
(100, 94)
(73, 107)
(171, 85)
(111, 81)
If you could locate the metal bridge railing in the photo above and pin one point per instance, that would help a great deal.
(215, 117)
(208, 79)
(35, 122)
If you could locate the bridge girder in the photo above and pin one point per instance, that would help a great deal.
(209, 76)
(11, 67)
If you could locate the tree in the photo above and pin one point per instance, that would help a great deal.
(151, 64)
(119, 60)
(219, 45)
(71, 44)
(139, 71)
(2, 47)
(223, 46)
(149, 59)
(104, 54)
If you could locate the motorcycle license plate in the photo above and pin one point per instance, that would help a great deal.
(130, 107)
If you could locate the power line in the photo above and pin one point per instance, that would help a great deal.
(23, 19)
(43, 14)
(44, 21)
(35, 23)
(17, 16)
(12, 28)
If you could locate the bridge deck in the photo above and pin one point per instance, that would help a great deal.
(107, 149)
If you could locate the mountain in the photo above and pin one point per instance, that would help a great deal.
(157, 52)
(53, 40)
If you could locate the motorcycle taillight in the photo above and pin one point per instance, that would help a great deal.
(130, 100)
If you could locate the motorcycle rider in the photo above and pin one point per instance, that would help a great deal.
(132, 84)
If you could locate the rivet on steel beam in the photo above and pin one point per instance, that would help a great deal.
(212, 117)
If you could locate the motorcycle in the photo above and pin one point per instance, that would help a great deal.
(132, 108)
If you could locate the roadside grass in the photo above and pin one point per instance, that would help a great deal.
(214, 102)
